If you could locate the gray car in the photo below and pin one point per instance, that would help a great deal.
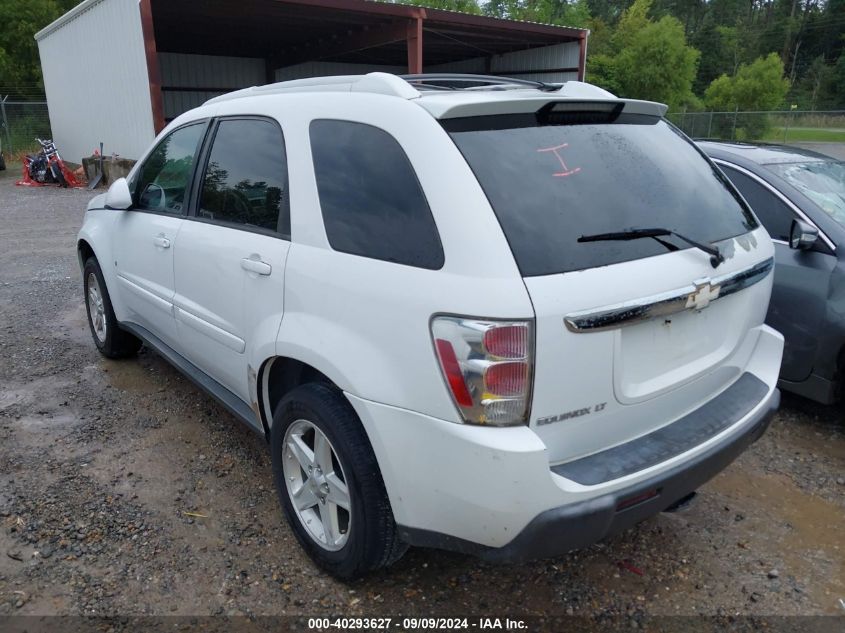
(799, 196)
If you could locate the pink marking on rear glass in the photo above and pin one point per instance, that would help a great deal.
(566, 170)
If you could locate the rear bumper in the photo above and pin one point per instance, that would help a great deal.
(492, 491)
(577, 525)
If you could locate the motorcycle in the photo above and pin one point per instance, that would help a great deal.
(46, 167)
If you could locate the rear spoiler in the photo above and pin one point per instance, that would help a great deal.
(581, 96)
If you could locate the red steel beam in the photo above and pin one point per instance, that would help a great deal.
(153, 70)
(415, 46)
(582, 57)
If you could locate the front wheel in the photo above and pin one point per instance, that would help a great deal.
(110, 339)
(58, 176)
(329, 483)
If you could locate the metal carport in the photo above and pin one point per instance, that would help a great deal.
(147, 61)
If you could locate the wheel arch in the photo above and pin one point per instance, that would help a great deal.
(84, 251)
(278, 376)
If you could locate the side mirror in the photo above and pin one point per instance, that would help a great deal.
(802, 236)
(118, 196)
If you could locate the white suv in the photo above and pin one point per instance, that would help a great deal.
(487, 315)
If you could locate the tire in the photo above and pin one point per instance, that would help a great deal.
(370, 540)
(2, 163)
(58, 176)
(110, 339)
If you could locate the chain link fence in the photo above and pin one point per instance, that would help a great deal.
(20, 123)
(790, 126)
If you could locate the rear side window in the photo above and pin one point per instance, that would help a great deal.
(245, 182)
(371, 200)
(551, 184)
(773, 212)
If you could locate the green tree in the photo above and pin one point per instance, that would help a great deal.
(645, 59)
(756, 86)
(608, 11)
(601, 70)
(20, 20)
(633, 20)
(561, 12)
(657, 64)
(467, 6)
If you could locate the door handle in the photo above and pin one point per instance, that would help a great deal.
(161, 241)
(255, 265)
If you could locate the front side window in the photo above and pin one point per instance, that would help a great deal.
(773, 212)
(245, 182)
(371, 200)
(823, 182)
(162, 182)
(551, 183)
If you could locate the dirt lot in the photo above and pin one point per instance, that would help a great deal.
(124, 490)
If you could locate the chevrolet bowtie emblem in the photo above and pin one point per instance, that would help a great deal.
(703, 295)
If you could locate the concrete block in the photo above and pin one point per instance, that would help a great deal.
(113, 168)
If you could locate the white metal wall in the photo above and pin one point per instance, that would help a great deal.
(95, 76)
(556, 56)
(328, 69)
(204, 72)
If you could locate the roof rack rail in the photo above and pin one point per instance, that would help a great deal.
(377, 82)
(409, 86)
(441, 81)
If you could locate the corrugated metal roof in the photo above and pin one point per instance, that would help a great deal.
(354, 5)
(510, 20)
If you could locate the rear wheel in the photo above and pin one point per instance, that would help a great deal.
(329, 483)
(110, 339)
(2, 163)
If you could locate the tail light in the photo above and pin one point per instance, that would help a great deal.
(488, 367)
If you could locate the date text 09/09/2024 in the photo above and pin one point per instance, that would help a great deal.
(413, 624)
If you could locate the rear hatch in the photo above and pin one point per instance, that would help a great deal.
(630, 333)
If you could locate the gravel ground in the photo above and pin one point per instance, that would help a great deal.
(126, 491)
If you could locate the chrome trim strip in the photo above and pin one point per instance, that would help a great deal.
(695, 296)
(780, 196)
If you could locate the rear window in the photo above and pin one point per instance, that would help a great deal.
(551, 184)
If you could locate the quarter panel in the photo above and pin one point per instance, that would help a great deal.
(365, 323)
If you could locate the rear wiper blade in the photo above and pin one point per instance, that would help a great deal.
(716, 256)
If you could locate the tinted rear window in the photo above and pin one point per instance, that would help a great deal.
(551, 184)
(371, 200)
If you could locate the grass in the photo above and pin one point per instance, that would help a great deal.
(806, 135)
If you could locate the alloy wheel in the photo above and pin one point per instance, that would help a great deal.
(96, 308)
(316, 485)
